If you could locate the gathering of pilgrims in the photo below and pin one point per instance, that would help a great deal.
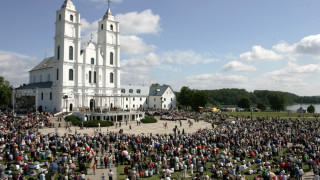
(263, 148)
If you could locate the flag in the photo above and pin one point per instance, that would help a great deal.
(89, 149)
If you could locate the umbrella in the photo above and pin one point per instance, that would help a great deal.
(125, 153)
(72, 166)
(252, 154)
(19, 158)
(166, 166)
(54, 166)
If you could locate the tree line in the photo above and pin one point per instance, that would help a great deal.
(276, 100)
(5, 93)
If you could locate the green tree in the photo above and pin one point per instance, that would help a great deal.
(261, 106)
(244, 103)
(311, 109)
(276, 100)
(5, 93)
(185, 96)
(199, 98)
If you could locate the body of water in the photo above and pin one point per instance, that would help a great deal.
(294, 108)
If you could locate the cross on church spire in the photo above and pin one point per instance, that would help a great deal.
(108, 14)
(109, 1)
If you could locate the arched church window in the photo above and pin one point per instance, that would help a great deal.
(101, 26)
(70, 53)
(71, 17)
(57, 74)
(94, 77)
(111, 27)
(111, 77)
(58, 52)
(92, 60)
(90, 76)
(111, 58)
(59, 17)
(70, 74)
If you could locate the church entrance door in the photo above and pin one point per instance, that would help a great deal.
(92, 104)
(71, 107)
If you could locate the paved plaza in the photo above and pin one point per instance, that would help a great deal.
(154, 128)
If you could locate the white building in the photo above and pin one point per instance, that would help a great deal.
(87, 77)
(155, 97)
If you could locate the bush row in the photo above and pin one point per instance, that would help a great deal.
(149, 119)
(77, 122)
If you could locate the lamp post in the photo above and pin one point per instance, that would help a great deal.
(251, 114)
(66, 99)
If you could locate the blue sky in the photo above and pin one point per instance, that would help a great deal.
(207, 44)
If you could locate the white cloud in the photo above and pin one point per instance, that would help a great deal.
(293, 78)
(167, 67)
(238, 66)
(215, 81)
(309, 45)
(88, 27)
(144, 22)
(187, 57)
(258, 53)
(283, 47)
(137, 69)
(89, 30)
(134, 45)
(15, 67)
(294, 70)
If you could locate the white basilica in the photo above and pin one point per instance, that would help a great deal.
(87, 77)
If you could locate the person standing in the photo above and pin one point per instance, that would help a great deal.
(191, 169)
(94, 167)
(103, 177)
(110, 174)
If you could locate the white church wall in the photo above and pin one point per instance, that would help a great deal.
(44, 99)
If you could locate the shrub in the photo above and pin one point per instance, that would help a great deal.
(77, 122)
(149, 119)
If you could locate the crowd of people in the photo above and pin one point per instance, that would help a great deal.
(263, 148)
(25, 152)
(260, 149)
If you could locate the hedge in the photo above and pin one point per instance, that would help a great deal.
(77, 122)
(149, 119)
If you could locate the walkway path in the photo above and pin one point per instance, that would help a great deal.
(153, 128)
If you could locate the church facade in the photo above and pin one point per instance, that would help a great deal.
(85, 76)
